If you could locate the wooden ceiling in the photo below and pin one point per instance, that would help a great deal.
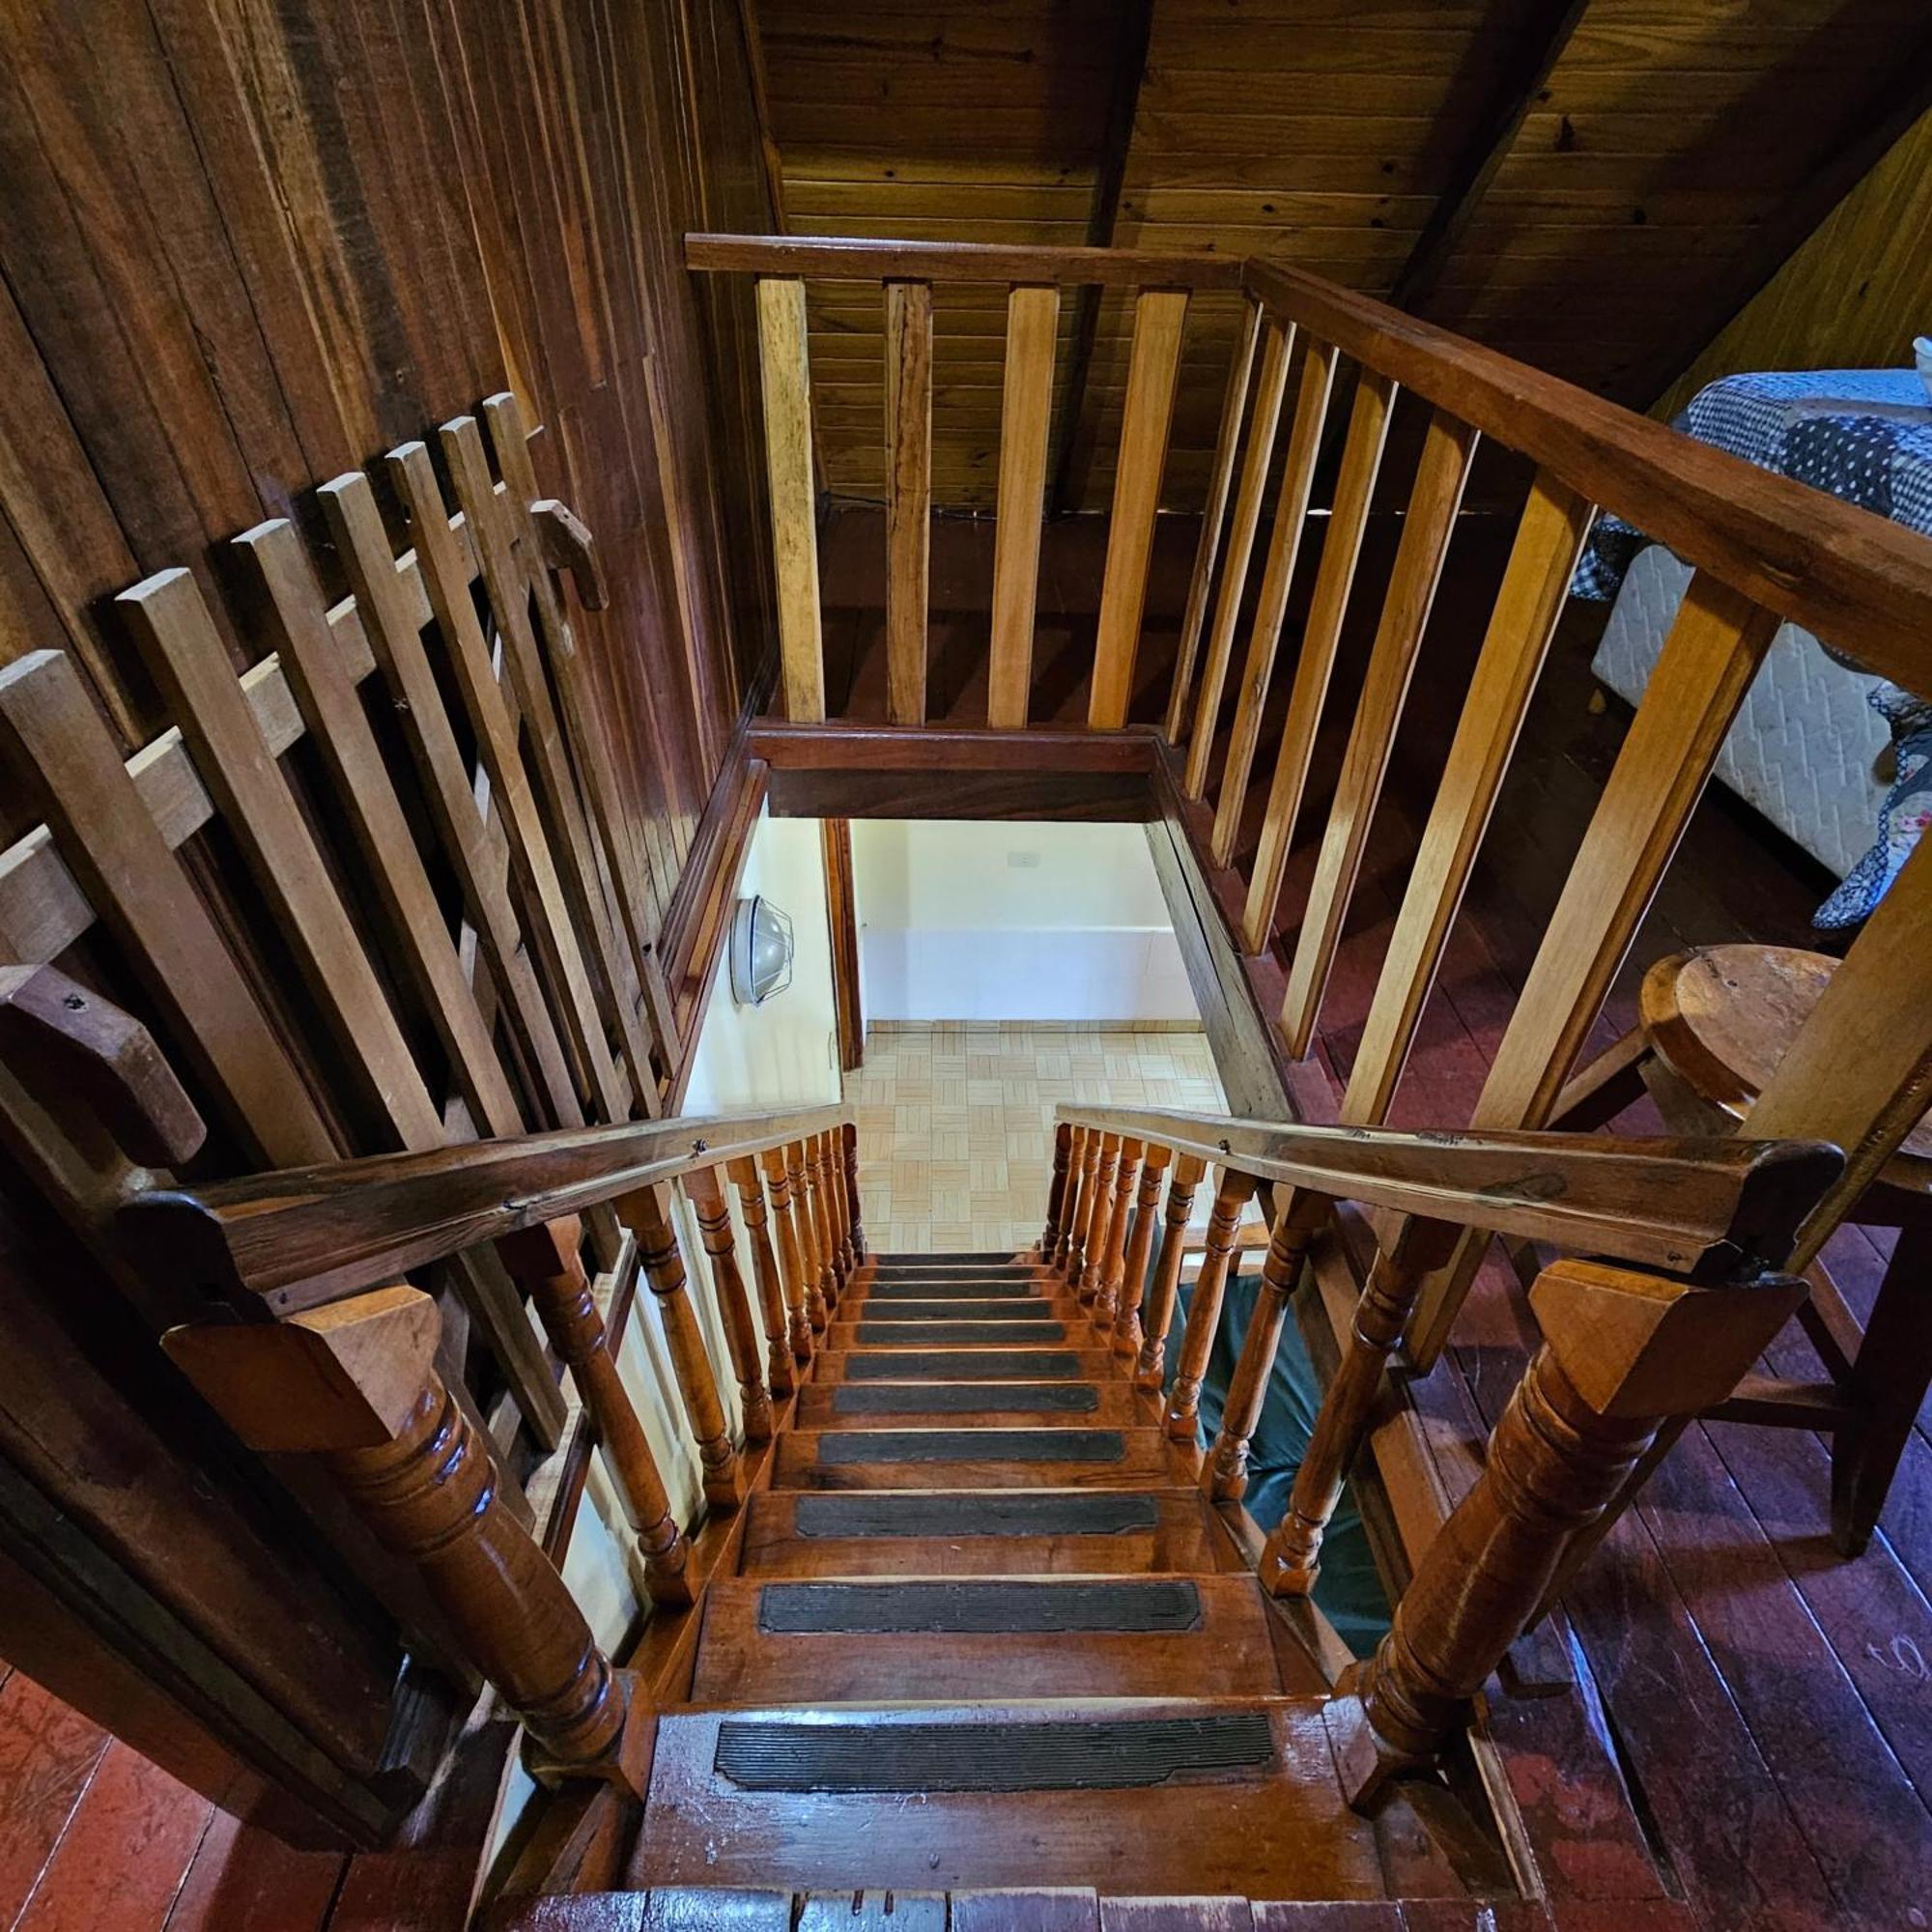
(1595, 185)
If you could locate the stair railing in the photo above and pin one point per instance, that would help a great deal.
(1681, 1290)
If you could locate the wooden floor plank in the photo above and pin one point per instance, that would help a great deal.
(47, 1753)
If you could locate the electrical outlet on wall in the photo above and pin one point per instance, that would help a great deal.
(1023, 861)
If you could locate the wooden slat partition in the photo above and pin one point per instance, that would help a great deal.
(1321, 638)
(1277, 343)
(1026, 415)
(1291, 520)
(1549, 539)
(908, 496)
(1449, 448)
(1220, 481)
(1160, 316)
(787, 402)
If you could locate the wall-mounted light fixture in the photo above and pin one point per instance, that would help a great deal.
(760, 951)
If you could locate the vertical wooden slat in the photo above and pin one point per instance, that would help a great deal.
(1548, 541)
(788, 396)
(1430, 521)
(706, 1192)
(1707, 664)
(1277, 342)
(908, 496)
(1291, 520)
(1148, 412)
(778, 1371)
(791, 1252)
(1182, 1420)
(1220, 479)
(1026, 415)
(1320, 637)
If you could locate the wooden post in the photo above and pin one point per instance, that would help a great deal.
(908, 494)
(356, 1382)
(788, 398)
(1064, 1264)
(644, 1212)
(1225, 1478)
(778, 1371)
(544, 1261)
(1203, 1308)
(1083, 1215)
(832, 1200)
(1113, 1259)
(812, 1256)
(1151, 1369)
(740, 1332)
(1622, 1351)
(1026, 414)
(1291, 1556)
(1095, 1247)
(778, 1178)
(848, 1153)
(1140, 1245)
(816, 1205)
(1056, 1191)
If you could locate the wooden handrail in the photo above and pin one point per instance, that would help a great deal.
(299, 1236)
(843, 258)
(1698, 1208)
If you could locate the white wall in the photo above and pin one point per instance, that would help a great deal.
(974, 921)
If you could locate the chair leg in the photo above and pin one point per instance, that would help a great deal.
(1888, 1385)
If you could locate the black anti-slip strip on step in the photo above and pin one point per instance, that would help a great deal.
(1126, 1608)
(1115, 1754)
(973, 1445)
(912, 1334)
(1045, 1513)
(956, 1399)
(959, 1308)
(939, 1289)
(1007, 1365)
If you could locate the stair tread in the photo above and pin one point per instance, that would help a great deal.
(998, 1362)
(891, 1331)
(868, 1405)
(977, 1458)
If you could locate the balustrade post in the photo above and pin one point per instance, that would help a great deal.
(1113, 1259)
(1056, 1191)
(740, 1332)
(1093, 1248)
(832, 1196)
(848, 1142)
(1291, 1559)
(544, 1261)
(810, 1245)
(1066, 1264)
(1225, 1477)
(778, 1369)
(776, 1163)
(644, 1212)
(1126, 1342)
(1090, 1162)
(1151, 1369)
(1622, 1351)
(1203, 1308)
(356, 1384)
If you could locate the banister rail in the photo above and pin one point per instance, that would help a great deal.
(301, 1237)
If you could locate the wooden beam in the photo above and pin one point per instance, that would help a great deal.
(840, 258)
(1133, 26)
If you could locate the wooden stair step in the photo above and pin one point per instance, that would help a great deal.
(922, 1290)
(976, 1257)
(975, 1458)
(855, 1642)
(880, 1331)
(892, 1405)
(1234, 1797)
(954, 1308)
(996, 1364)
(994, 1532)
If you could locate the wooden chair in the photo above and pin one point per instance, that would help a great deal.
(1712, 1025)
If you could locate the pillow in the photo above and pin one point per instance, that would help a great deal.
(1923, 349)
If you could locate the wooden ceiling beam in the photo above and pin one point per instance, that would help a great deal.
(1130, 50)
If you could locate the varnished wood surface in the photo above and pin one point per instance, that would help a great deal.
(1137, 1459)
(952, 262)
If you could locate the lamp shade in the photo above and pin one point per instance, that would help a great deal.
(760, 951)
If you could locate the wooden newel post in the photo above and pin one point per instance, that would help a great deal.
(848, 1149)
(1225, 1476)
(644, 1212)
(778, 1370)
(1056, 1192)
(777, 1164)
(545, 1263)
(1291, 1558)
(1126, 1342)
(1093, 1248)
(1203, 1308)
(810, 1251)
(1113, 1259)
(741, 1329)
(1151, 1369)
(356, 1382)
(1063, 1261)
(1622, 1351)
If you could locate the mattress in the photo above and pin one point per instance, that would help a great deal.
(1806, 748)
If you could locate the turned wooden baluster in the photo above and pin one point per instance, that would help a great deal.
(1225, 1477)
(776, 1163)
(1165, 1289)
(1621, 1352)
(1056, 1192)
(1114, 1259)
(855, 1215)
(1066, 1263)
(646, 1213)
(778, 1370)
(1094, 1247)
(356, 1382)
(545, 1263)
(817, 1272)
(1090, 1164)
(734, 1301)
(832, 1195)
(1204, 1306)
(1291, 1560)
(1126, 1342)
